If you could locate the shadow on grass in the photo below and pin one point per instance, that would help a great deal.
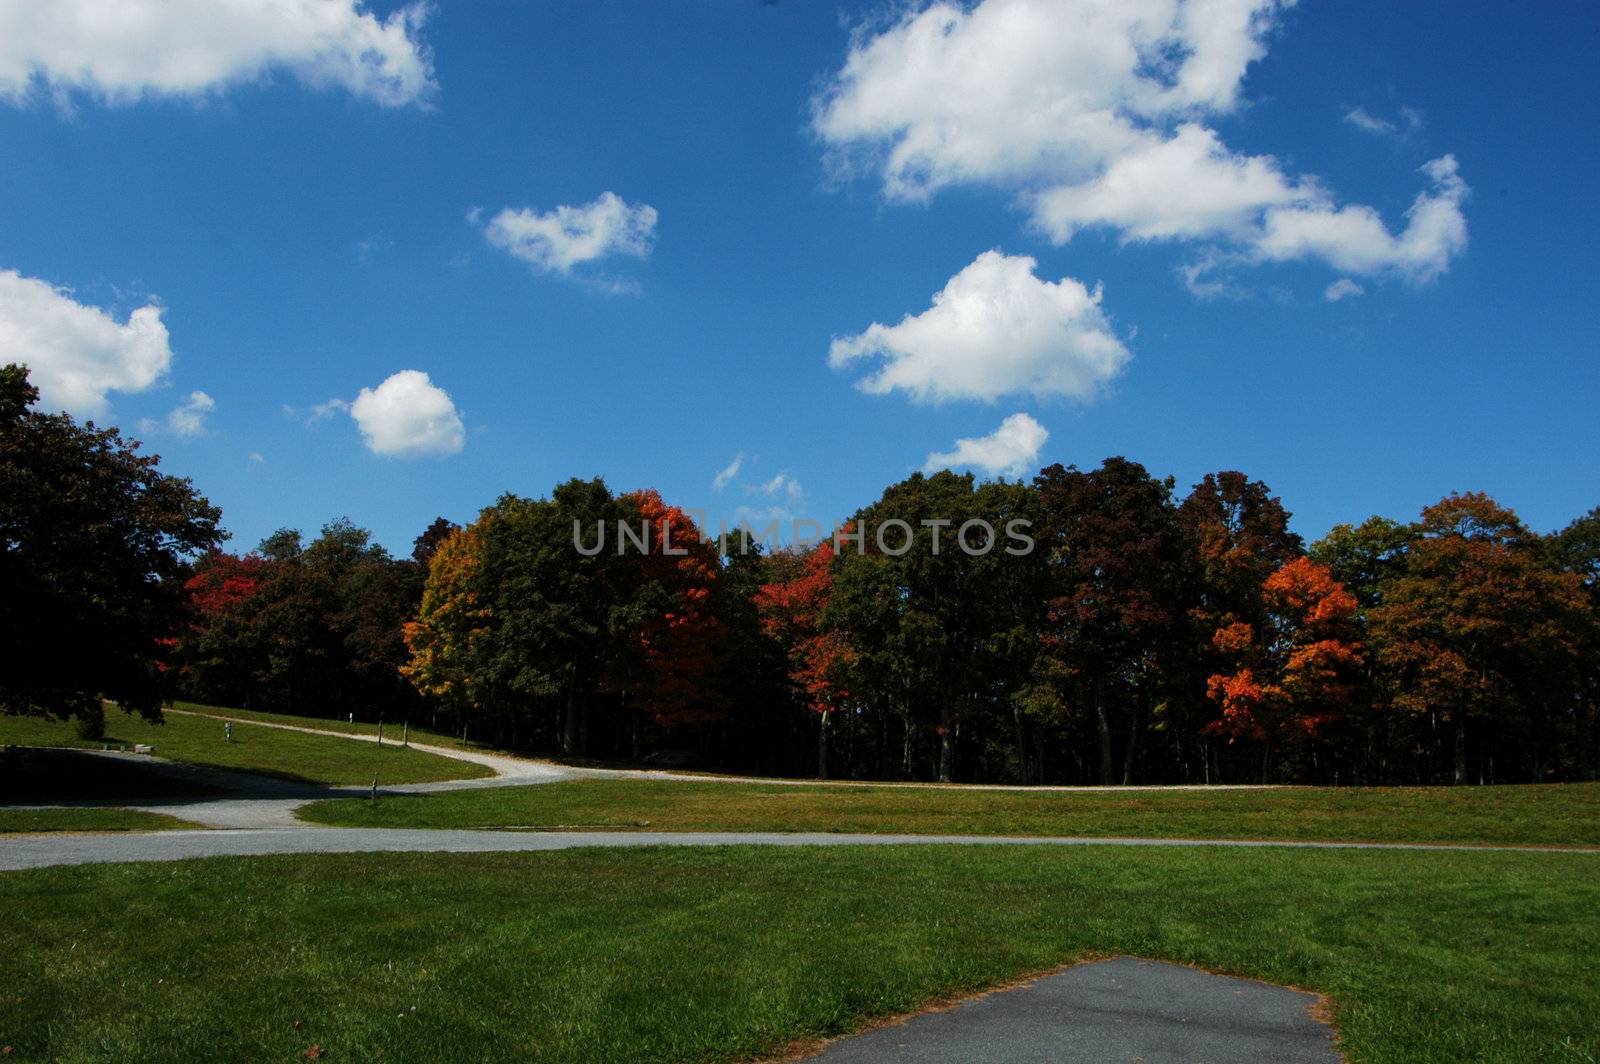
(31, 775)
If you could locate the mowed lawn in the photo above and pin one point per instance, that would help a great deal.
(1548, 815)
(341, 725)
(724, 954)
(13, 821)
(255, 748)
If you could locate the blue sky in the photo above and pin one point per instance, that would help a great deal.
(309, 216)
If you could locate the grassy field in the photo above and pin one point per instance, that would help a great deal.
(26, 820)
(391, 730)
(731, 953)
(263, 750)
(1557, 814)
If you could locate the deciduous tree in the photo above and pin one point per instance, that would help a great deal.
(95, 543)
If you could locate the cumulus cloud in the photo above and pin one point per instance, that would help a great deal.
(1354, 239)
(76, 354)
(728, 472)
(1343, 288)
(123, 51)
(1095, 115)
(408, 416)
(560, 239)
(995, 329)
(1012, 449)
(188, 419)
(1186, 187)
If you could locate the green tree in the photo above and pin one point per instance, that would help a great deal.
(939, 635)
(1116, 585)
(1576, 549)
(95, 544)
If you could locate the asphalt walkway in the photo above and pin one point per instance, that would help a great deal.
(1108, 1012)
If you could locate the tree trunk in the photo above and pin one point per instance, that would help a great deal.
(1103, 726)
(947, 738)
(1461, 749)
(569, 722)
(907, 747)
(822, 747)
(1133, 742)
(1022, 750)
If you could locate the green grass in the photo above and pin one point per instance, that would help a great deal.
(342, 725)
(730, 953)
(1556, 814)
(264, 750)
(31, 820)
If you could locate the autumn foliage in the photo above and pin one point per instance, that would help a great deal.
(792, 612)
(1149, 637)
(1298, 674)
(678, 632)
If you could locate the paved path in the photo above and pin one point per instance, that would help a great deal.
(40, 851)
(1120, 1010)
(257, 815)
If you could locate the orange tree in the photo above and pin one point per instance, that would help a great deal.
(1297, 674)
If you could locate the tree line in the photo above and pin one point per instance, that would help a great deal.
(1148, 636)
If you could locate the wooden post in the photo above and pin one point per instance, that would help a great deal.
(405, 736)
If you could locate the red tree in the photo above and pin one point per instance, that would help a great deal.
(222, 581)
(680, 638)
(792, 612)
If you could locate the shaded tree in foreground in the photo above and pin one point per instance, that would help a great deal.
(94, 549)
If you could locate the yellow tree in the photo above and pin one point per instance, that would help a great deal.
(448, 637)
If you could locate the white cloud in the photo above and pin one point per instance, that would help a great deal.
(323, 411)
(1095, 115)
(188, 419)
(1343, 288)
(1008, 89)
(757, 516)
(1409, 122)
(1186, 187)
(122, 51)
(558, 240)
(995, 329)
(1354, 239)
(1011, 449)
(76, 354)
(407, 416)
(728, 472)
(783, 484)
